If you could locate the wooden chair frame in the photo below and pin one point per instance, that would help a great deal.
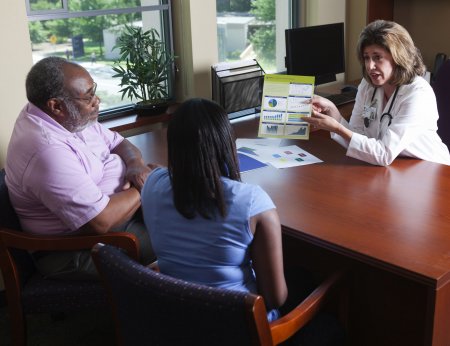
(262, 332)
(10, 239)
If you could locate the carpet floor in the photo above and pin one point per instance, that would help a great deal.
(75, 329)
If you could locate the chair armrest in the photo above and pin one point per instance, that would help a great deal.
(154, 266)
(31, 242)
(288, 325)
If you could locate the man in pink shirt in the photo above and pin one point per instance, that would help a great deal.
(66, 173)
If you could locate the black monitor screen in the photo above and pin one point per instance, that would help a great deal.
(316, 51)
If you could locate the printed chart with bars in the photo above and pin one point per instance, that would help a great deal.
(286, 100)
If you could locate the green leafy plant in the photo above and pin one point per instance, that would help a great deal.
(143, 65)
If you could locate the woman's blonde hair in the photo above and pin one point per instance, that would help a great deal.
(396, 40)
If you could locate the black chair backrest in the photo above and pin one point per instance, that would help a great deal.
(9, 219)
(155, 309)
(441, 86)
(8, 216)
(438, 61)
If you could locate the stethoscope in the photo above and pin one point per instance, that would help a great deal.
(386, 114)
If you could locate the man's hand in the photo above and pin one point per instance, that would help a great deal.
(137, 173)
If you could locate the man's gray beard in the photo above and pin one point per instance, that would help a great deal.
(72, 124)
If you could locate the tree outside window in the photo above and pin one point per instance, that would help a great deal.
(247, 30)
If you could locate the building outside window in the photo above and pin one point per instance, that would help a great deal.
(85, 31)
(254, 29)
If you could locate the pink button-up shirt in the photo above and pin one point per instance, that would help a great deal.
(58, 180)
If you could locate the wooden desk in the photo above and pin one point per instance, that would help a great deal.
(390, 224)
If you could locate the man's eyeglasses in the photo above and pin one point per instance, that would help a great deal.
(90, 98)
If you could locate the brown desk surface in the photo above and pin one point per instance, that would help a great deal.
(395, 218)
(392, 224)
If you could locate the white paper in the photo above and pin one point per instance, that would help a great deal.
(267, 150)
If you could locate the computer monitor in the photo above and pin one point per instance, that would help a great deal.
(316, 51)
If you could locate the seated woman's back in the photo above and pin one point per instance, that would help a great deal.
(214, 252)
(206, 226)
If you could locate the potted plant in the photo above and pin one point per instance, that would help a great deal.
(144, 69)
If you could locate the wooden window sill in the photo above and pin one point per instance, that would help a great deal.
(133, 124)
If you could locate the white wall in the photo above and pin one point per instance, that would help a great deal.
(428, 24)
(15, 61)
(355, 22)
(282, 23)
(320, 12)
(324, 11)
(195, 43)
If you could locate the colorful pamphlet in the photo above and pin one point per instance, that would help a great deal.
(269, 152)
(247, 163)
(286, 99)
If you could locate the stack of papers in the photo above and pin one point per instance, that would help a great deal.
(257, 153)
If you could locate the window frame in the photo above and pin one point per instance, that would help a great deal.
(30, 12)
(165, 11)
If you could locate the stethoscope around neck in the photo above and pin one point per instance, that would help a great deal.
(386, 114)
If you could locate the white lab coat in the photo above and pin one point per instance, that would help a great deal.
(412, 131)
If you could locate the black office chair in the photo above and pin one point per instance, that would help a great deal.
(438, 61)
(27, 292)
(155, 309)
(441, 87)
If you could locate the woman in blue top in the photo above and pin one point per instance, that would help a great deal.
(206, 226)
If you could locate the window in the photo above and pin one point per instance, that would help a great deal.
(85, 31)
(254, 29)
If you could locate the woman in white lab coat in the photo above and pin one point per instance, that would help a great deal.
(395, 112)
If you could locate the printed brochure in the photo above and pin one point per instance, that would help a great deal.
(286, 99)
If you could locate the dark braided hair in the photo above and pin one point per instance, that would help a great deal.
(201, 151)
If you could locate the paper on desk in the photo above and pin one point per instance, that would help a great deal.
(258, 142)
(248, 163)
(268, 151)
